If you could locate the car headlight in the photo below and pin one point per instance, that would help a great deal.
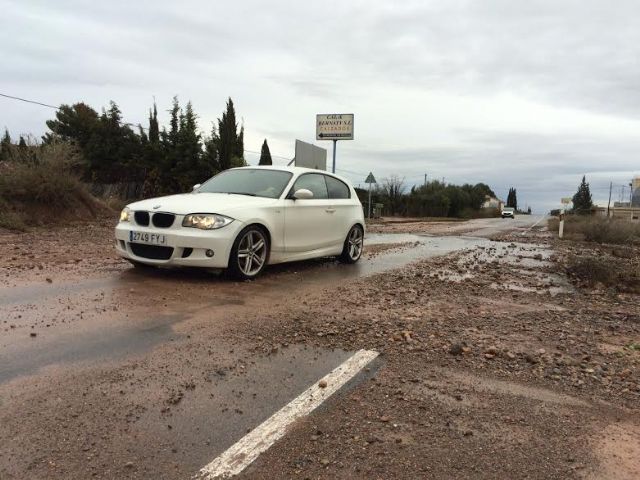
(206, 221)
(124, 214)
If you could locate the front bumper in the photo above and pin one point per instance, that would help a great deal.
(183, 247)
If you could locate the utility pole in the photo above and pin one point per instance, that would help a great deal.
(333, 170)
(425, 179)
(609, 204)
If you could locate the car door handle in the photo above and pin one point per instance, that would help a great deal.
(330, 210)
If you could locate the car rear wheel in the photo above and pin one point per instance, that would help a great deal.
(249, 253)
(353, 245)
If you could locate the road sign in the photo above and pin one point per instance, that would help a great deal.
(334, 126)
(310, 156)
(565, 200)
(370, 178)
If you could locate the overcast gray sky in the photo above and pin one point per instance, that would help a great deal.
(530, 94)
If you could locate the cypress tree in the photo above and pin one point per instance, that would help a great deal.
(238, 157)
(5, 145)
(230, 142)
(512, 198)
(265, 154)
(582, 201)
(154, 131)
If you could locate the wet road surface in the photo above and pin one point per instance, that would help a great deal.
(73, 326)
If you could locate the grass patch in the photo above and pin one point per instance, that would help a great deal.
(598, 229)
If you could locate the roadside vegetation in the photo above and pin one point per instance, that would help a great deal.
(432, 199)
(598, 229)
(598, 269)
(117, 161)
(601, 252)
(40, 184)
(145, 160)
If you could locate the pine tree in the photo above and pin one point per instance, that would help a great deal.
(582, 201)
(210, 156)
(189, 169)
(265, 155)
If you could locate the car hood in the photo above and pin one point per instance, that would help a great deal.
(182, 204)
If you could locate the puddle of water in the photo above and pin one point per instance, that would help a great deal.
(111, 340)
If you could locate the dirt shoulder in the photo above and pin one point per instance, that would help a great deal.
(487, 373)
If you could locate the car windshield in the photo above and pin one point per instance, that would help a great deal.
(255, 182)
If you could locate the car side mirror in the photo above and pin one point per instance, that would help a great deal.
(302, 194)
(196, 186)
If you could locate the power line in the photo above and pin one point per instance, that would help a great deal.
(35, 102)
(29, 101)
(272, 155)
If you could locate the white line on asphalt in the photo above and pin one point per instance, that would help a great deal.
(527, 230)
(248, 448)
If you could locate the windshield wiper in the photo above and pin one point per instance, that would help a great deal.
(241, 193)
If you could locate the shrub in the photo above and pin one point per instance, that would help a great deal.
(598, 229)
(620, 232)
(610, 272)
(592, 270)
(42, 178)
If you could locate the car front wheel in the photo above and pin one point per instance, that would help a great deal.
(353, 245)
(249, 253)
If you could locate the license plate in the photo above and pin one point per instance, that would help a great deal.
(146, 237)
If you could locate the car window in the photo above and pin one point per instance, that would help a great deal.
(258, 182)
(337, 188)
(314, 182)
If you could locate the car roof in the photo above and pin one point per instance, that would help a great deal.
(294, 170)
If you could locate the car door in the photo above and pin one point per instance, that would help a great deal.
(340, 201)
(308, 223)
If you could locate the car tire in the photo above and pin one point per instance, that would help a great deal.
(249, 253)
(353, 245)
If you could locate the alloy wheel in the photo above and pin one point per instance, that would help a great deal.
(355, 241)
(252, 252)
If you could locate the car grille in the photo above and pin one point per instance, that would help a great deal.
(154, 252)
(142, 218)
(163, 220)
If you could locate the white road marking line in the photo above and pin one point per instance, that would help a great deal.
(527, 230)
(240, 455)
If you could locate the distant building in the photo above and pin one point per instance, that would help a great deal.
(625, 210)
(493, 202)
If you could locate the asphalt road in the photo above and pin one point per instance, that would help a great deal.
(95, 363)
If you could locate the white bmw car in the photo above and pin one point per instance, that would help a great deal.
(244, 219)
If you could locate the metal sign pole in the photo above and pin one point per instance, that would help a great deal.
(369, 201)
(335, 142)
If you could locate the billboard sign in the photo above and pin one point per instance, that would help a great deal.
(334, 126)
(310, 156)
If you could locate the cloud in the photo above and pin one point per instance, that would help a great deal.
(530, 94)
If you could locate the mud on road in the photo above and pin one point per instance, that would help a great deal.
(492, 364)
